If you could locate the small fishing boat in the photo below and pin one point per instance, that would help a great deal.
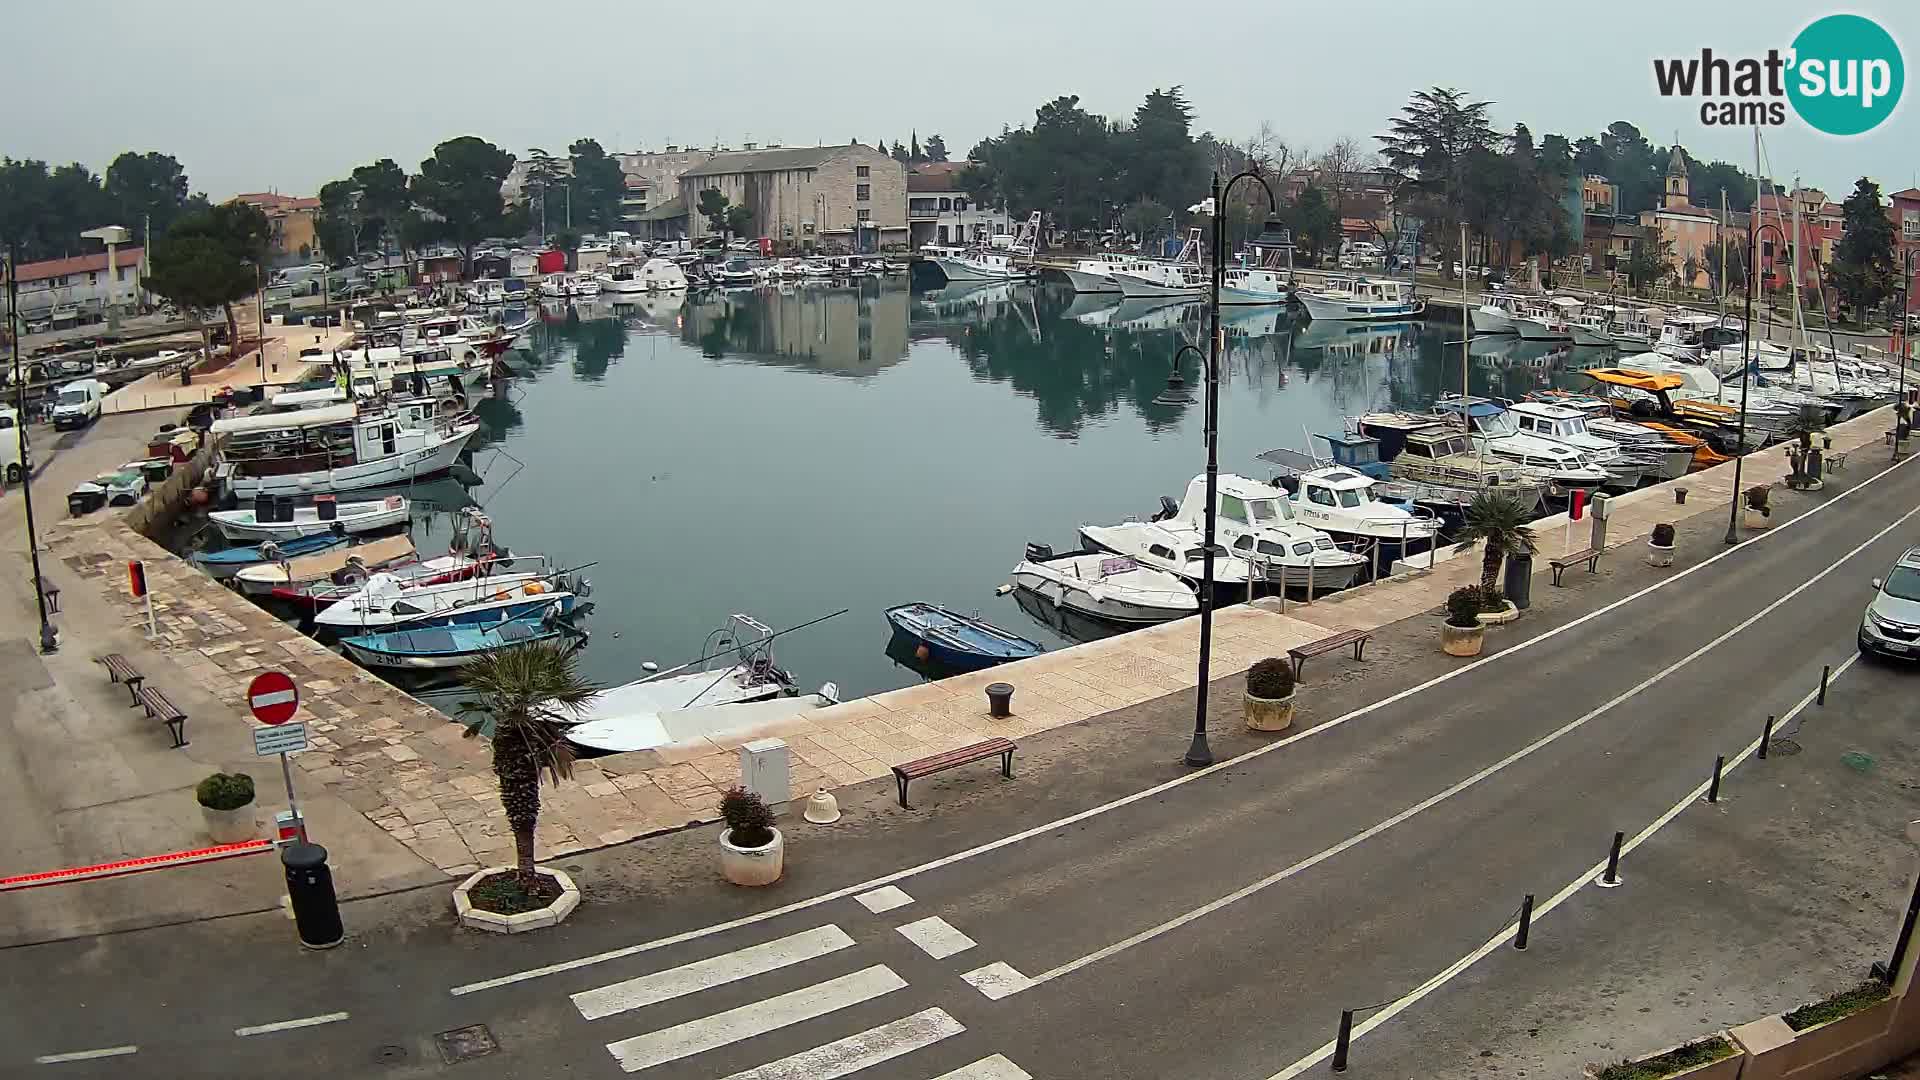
(1379, 520)
(1253, 285)
(1257, 523)
(1095, 275)
(225, 563)
(410, 573)
(325, 567)
(1173, 546)
(648, 730)
(344, 518)
(1360, 299)
(1182, 276)
(958, 642)
(387, 603)
(736, 666)
(1104, 586)
(441, 647)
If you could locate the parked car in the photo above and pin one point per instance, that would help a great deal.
(16, 453)
(1891, 624)
(78, 404)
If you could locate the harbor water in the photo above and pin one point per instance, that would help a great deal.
(788, 453)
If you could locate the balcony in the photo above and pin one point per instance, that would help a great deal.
(925, 215)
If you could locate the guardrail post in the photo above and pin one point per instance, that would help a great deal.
(1826, 671)
(1611, 878)
(1526, 924)
(1713, 789)
(1343, 1040)
(1766, 737)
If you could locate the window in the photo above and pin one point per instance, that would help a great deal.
(1910, 224)
(959, 204)
(863, 215)
(1233, 509)
(862, 170)
(1160, 551)
(1320, 495)
(946, 204)
(93, 277)
(1264, 510)
(1349, 498)
(1245, 543)
(862, 192)
(1303, 548)
(807, 227)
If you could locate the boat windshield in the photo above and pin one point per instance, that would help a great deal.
(1904, 583)
(1498, 424)
(1349, 498)
(1267, 511)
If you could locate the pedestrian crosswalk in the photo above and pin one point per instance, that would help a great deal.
(627, 1001)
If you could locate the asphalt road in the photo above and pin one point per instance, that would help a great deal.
(1213, 927)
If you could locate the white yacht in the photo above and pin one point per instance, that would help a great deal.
(1626, 469)
(1256, 522)
(1172, 546)
(622, 278)
(1495, 315)
(1360, 299)
(1494, 431)
(1095, 275)
(1540, 320)
(1110, 587)
(339, 448)
(1346, 504)
(1182, 276)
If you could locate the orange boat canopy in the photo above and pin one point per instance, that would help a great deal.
(1639, 380)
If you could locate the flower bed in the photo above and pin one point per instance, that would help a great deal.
(1679, 1059)
(507, 893)
(1844, 1003)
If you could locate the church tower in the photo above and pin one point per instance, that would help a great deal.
(1677, 195)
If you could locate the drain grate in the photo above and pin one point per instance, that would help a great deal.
(389, 1055)
(465, 1043)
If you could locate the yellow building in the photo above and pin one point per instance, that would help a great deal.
(291, 220)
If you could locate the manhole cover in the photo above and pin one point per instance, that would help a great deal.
(465, 1043)
(389, 1055)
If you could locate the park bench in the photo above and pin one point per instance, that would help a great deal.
(1835, 460)
(1355, 638)
(953, 759)
(121, 671)
(159, 708)
(1590, 556)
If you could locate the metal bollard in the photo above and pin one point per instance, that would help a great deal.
(1526, 924)
(1713, 789)
(1826, 670)
(1611, 878)
(1343, 1040)
(1311, 560)
(1766, 737)
(316, 911)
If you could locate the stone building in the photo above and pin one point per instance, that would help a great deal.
(1687, 227)
(817, 198)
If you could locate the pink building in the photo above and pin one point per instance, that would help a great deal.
(1687, 227)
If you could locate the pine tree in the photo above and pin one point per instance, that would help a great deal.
(1863, 270)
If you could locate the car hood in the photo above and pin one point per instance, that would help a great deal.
(1890, 608)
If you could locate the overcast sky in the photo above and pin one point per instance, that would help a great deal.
(253, 96)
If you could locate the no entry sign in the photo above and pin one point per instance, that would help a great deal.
(272, 698)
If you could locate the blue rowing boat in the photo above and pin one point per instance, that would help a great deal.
(441, 647)
(227, 562)
(958, 642)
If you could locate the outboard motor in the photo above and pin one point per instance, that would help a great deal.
(263, 507)
(1168, 508)
(1039, 552)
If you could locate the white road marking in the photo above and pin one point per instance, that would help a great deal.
(1158, 789)
(936, 937)
(714, 971)
(855, 1052)
(996, 1067)
(712, 1032)
(86, 1055)
(996, 980)
(289, 1025)
(884, 899)
(1432, 800)
(1505, 935)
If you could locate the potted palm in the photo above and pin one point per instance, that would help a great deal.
(1462, 634)
(1759, 511)
(1269, 705)
(1500, 523)
(522, 701)
(226, 805)
(752, 852)
(1660, 545)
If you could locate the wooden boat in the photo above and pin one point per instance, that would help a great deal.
(347, 518)
(441, 647)
(264, 579)
(227, 562)
(956, 641)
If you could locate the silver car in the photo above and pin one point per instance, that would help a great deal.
(1891, 623)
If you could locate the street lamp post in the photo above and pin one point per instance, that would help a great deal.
(1900, 408)
(1746, 365)
(49, 638)
(1199, 754)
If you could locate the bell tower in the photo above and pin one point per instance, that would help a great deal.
(1677, 193)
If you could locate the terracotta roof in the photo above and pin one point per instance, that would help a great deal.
(937, 176)
(79, 264)
(1910, 193)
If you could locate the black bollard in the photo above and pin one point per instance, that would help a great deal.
(1766, 737)
(1526, 924)
(1825, 671)
(1713, 789)
(1612, 876)
(316, 912)
(999, 700)
(1341, 1042)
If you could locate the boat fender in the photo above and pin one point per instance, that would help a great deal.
(1002, 590)
(921, 653)
(534, 588)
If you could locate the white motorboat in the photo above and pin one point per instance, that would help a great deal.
(647, 730)
(1110, 587)
(350, 518)
(1346, 504)
(1686, 336)
(622, 277)
(736, 272)
(663, 275)
(1181, 276)
(1586, 327)
(341, 447)
(737, 666)
(1631, 327)
(1360, 299)
(1495, 431)
(555, 287)
(262, 579)
(1770, 414)
(1626, 468)
(1494, 315)
(387, 602)
(1433, 458)
(1095, 275)
(1172, 546)
(1669, 459)
(487, 291)
(1540, 320)
(1257, 523)
(1253, 285)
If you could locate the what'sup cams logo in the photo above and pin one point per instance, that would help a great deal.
(1843, 76)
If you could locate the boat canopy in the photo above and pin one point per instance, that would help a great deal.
(1566, 302)
(1638, 380)
(335, 414)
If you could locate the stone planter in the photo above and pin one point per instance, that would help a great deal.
(752, 866)
(1755, 519)
(1269, 714)
(551, 915)
(1462, 640)
(1659, 555)
(231, 826)
(1724, 1069)
(1506, 614)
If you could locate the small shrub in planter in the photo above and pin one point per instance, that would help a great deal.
(1758, 498)
(1660, 546)
(1829, 1009)
(1679, 1059)
(1463, 635)
(1269, 699)
(225, 791)
(747, 818)
(1663, 534)
(752, 851)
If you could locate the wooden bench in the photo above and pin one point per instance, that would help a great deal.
(121, 671)
(1835, 460)
(1590, 556)
(953, 759)
(159, 708)
(1355, 638)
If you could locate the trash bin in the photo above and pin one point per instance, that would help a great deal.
(157, 470)
(1518, 584)
(316, 911)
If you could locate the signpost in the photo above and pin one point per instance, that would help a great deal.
(274, 699)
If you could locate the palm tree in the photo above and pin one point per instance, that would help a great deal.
(524, 698)
(1501, 521)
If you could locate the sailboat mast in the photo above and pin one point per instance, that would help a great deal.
(1466, 332)
(1793, 247)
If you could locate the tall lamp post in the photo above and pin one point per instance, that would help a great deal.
(1900, 408)
(1199, 754)
(1746, 365)
(49, 639)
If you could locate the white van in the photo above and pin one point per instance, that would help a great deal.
(78, 403)
(15, 463)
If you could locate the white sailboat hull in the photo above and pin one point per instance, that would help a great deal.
(435, 457)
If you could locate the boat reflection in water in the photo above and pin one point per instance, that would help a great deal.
(1066, 622)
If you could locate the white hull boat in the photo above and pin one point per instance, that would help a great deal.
(1109, 587)
(645, 731)
(1088, 282)
(385, 603)
(436, 456)
(351, 518)
(1168, 546)
(1253, 285)
(1360, 299)
(1256, 522)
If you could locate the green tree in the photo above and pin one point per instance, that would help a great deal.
(1147, 219)
(1162, 161)
(899, 153)
(337, 225)
(1316, 228)
(1736, 262)
(523, 701)
(460, 187)
(914, 156)
(1864, 271)
(713, 207)
(385, 203)
(211, 259)
(739, 220)
(568, 241)
(598, 186)
(1649, 260)
(1427, 147)
(936, 148)
(149, 190)
(1500, 522)
(544, 173)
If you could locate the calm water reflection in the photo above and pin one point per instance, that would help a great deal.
(791, 452)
